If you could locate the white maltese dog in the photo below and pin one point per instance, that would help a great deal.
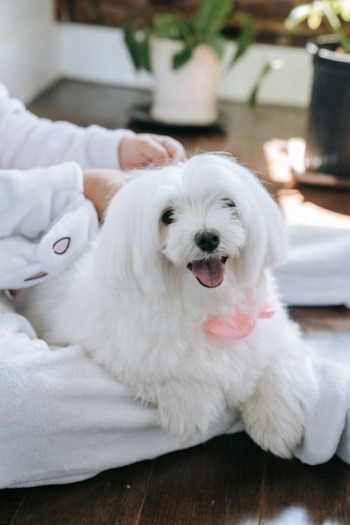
(175, 300)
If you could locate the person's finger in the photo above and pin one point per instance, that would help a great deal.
(155, 151)
(175, 149)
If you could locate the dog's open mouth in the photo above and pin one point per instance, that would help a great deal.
(209, 272)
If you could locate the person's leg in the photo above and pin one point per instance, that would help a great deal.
(63, 418)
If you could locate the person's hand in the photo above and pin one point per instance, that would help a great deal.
(147, 148)
(100, 185)
(134, 152)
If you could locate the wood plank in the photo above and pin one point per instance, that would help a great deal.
(322, 318)
(298, 494)
(217, 483)
(10, 503)
(114, 497)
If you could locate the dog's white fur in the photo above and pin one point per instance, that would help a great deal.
(134, 305)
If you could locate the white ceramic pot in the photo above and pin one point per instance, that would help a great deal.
(186, 95)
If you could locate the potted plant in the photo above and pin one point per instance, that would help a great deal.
(185, 56)
(328, 126)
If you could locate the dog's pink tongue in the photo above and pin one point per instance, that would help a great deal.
(209, 272)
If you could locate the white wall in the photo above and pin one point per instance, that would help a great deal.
(98, 54)
(29, 56)
(289, 85)
(35, 51)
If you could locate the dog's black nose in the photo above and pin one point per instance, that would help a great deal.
(207, 240)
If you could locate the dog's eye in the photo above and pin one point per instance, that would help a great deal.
(168, 216)
(228, 203)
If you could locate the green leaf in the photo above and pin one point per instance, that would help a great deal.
(328, 10)
(171, 26)
(343, 9)
(217, 43)
(245, 39)
(266, 70)
(213, 15)
(137, 43)
(184, 55)
(297, 15)
(314, 20)
(345, 14)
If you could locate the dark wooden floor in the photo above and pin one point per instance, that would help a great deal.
(229, 480)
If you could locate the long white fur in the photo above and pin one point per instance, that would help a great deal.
(135, 307)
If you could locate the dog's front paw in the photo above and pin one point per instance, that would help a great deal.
(275, 420)
(184, 411)
(279, 436)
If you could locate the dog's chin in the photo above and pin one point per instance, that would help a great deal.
(209, 272)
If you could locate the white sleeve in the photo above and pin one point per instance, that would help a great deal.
(27, 141)
(45, 222)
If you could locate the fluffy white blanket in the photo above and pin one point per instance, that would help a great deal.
(318, 269)
(65, 419)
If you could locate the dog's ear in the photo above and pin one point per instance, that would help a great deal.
(128, 253)
(266, 230)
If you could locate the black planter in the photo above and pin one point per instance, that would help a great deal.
(328, 127)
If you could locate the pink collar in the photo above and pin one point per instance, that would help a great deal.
(240, 324)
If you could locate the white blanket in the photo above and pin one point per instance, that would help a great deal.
(64, 419)
(317, 272)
